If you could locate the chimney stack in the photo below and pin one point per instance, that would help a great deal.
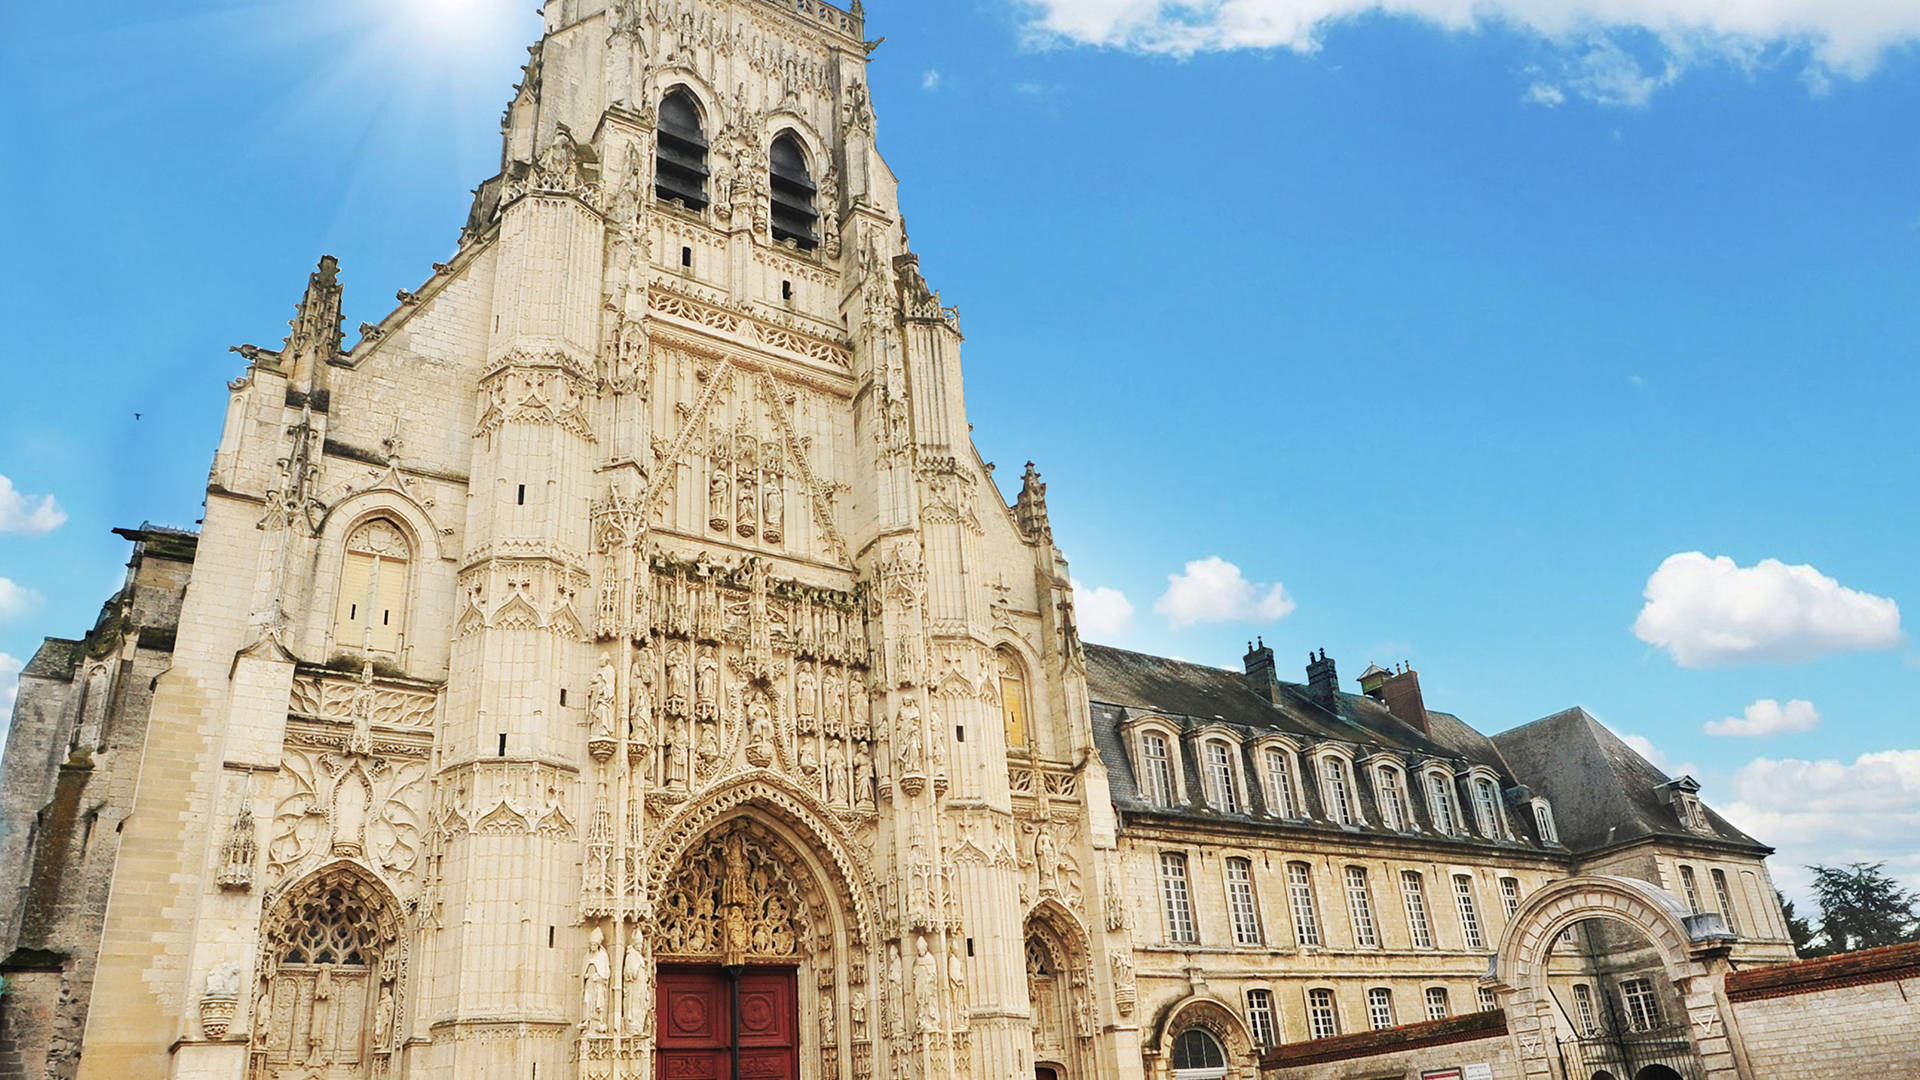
(1400, 693)
(1323, 683)
(1262, 676)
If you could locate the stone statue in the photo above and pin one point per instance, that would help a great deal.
(749, 505)
(633, 979)
(760, 724)
(896, 997)
(805, 699)
(677, 679)
(595, 975)
(383, 1017)
(224, 980)
(707, 687)
(836, 710)
(600, 699)
(775, 520)
(862, 775)
(717, 498)
(640, 697)
(926, 987)
(322, 1016)
(1046, 858)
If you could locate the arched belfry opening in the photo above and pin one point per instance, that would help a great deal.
(680, 168)
(331, 976)
(793, 192)
(1612, 976)
(756, 953)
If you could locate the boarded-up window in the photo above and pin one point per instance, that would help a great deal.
(373, 589)
(1013, 700)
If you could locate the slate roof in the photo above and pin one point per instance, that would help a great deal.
(1125, 686)
(1603, 793)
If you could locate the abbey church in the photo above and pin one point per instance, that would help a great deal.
(618, 662)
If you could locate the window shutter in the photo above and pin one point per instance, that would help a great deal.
(388, 618)
(356, 600)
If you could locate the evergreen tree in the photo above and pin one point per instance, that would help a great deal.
(1797, 927)
(1863, 908)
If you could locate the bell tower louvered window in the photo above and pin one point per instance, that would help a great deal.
(794, 192)
(681, 168)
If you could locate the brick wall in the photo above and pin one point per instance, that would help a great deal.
(1851, 1015)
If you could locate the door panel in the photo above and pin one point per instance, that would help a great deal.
(695, 1027)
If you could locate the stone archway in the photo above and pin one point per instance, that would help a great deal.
(755, 878)
(1217, 1019)
(1692, 953)
(1059, 973)
(331, 976)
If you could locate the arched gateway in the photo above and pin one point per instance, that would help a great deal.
(1692, 953)
(760, 942)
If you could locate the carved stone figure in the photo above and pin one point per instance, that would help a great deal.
(640, 705)
(718, 497)
(896, 1013)
(321, 1021)
(862, 775)
(706, 705)
(926, 987)
(595, 974)
(760, 733)
(1046, 860)
(836, 707)
(600, 699)
(749, 505)
(805, 701)
(383, 1017)
(636, 981)
(774, 521)
(677, 674)
(222, 998)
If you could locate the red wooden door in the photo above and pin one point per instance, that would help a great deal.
(695, 1025)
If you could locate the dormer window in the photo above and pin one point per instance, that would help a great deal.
(1390, 786)
(1336, 789)
(1543, 821)
(1446, 816)
(793, 192)
(680, 167)
(1156, 769)
(1486, 808)
(1282, 801)
(1221, 793)
(1692, 814)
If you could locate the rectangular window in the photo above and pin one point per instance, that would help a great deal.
(1510, 896)
(1280, 798)
(1339, 804)
(1721, 894)
(1260, 1017)
(1220, 778)
(1440, 804)
(1486, 807)
(1393, 802)
(1240, 904)
(1691, 888)
(1583, 1009)
(1157, 773)
(1487, 999)
(1469, 913)
(1543, 818)
(1360, 905)
(1415, 892)
(1322, 1021)
(1380, 1008)
(1643, 1010)
(1438, 1007)
(1306, 921)
(1178, 901)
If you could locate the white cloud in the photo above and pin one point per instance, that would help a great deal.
(1613, 52)
(35, 515)
(15, 600)
(930, 79)
(9, 688)
(1104, 613)
(1213, 590)
(1659, 758)
(1767, 717)
(1712, 612)
(1545, 94)
(1832, 812)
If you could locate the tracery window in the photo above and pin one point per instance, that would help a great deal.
(1260, 1018)
(372, 612)
(1323, 1022)
(793, 192)
(680, 168)
(1469, 911)
(1156, 773)
(1415, 892)
(1242, 911)
(1360, 906)
(1176, 898)
(1280, 794)
(1380, 1008)
(1393, 798)
(1306, 920)
(1438, 1007)
(1220, 785)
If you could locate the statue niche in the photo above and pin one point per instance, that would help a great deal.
(331, 961)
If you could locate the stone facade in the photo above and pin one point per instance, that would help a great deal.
(618, 661)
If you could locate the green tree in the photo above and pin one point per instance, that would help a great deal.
(1797, 927)
(1862, 908)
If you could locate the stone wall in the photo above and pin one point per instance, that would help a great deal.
(1476, 1045)
(1852, 1015)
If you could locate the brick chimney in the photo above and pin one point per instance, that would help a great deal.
(1323, 683)
(1400, 692)
(1262, 677)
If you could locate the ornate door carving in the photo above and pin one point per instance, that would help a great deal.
(330, 973)
(696, 1025)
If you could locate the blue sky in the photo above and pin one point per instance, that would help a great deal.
(1457, 335)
